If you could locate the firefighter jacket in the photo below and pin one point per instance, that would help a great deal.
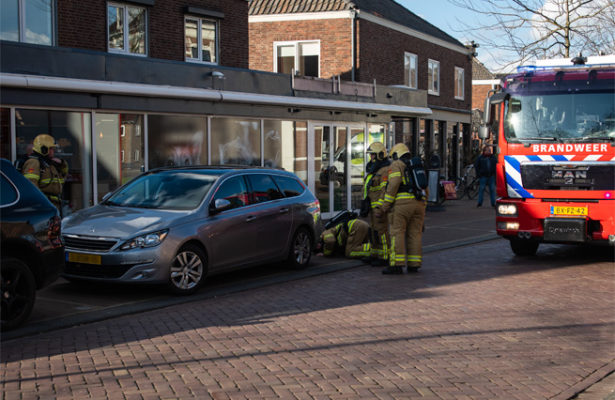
(350, 236)
(398, 189)
(46, 175)
(376, 182)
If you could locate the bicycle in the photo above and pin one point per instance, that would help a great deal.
(468, 184)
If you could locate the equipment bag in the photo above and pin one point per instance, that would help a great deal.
(415, 175)
(341, 217)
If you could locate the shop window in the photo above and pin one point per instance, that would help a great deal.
(71, 131)
(177, 140)
(126, 29)
(201, 37)
(28, 21)
(286, 146)
(235, 141)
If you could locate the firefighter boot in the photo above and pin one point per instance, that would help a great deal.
(396, 270)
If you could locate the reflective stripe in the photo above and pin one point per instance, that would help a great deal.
(404, 195)
(394, 174)
(350, 224)
(392, 254)
(367, 180)
(388, 198)
(328, 235)
(415, 258)
(56, 198)
(383, 240)
(32, 176)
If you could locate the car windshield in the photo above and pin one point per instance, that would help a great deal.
(588, 116)
(170, 190)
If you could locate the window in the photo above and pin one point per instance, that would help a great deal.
(235, 141)
(177, 140)
(126, 29)
(8, 192)
(433, 77)
(263, 188)
(29, 21)
(410, 70)
(459, 83)
(290, 186)
(234, 190)
(201, 37)
(302, 56)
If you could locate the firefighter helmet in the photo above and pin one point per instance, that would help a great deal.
(42, 143)
(378, 149)
(399, 150)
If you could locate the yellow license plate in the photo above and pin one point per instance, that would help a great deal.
(84, 258)
(567, 210)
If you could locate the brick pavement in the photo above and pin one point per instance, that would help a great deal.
(475, 323)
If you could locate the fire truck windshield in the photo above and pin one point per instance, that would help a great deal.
(580, 116)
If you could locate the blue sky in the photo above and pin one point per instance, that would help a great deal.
(446, 17)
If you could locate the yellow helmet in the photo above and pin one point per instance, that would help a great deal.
(399, 150)
(378, 149)
(42, 143)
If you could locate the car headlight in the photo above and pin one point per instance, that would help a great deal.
(148, 240)
(509, 210)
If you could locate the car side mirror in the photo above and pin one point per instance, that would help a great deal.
(219, 205)
(483, 132)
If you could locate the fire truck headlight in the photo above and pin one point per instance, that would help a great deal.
(507, 210)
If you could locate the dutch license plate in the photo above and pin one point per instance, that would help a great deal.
(568, 210)
(84, 258)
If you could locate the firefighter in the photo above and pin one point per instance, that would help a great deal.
(407, 211)
(46, 171)
(351, 237)
(376, 175)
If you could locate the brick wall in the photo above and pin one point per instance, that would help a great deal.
(335, 43)
(387, 67)
(479, 93)
(82, 24)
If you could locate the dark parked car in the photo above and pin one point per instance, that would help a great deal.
(32, 252)
(177, 225)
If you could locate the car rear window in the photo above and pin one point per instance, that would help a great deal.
(263, 188)
(8, 193)
(290, 186)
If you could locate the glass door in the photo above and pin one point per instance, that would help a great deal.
(338, 177)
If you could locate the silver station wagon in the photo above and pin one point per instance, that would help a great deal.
(179, 225)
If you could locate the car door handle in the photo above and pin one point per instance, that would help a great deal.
(283, 210)
(250, 218)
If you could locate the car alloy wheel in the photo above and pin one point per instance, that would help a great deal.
(301, 249)
(188, 270)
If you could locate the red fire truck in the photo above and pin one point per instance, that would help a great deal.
(554, 124)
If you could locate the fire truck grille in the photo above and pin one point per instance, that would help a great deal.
(568, 177)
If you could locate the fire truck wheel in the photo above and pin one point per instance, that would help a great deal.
(524, 247)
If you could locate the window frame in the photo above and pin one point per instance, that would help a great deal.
(434, 79)
(21, 23)
(126, 34)
(407, 73)
(296, 44)
(200, 39)
(459, 83)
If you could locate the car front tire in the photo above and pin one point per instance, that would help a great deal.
(188, 270)
(18, 293)
(300, 249)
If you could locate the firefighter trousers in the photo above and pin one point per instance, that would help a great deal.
(379, 236)
(407, 218)
(357, 244)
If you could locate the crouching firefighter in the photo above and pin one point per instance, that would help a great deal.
(46, 171)
(373, 193)
(350, 237)
(405, 197)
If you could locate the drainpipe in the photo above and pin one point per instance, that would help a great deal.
(353, 40)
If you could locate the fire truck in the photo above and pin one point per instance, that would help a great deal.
(554, 125)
